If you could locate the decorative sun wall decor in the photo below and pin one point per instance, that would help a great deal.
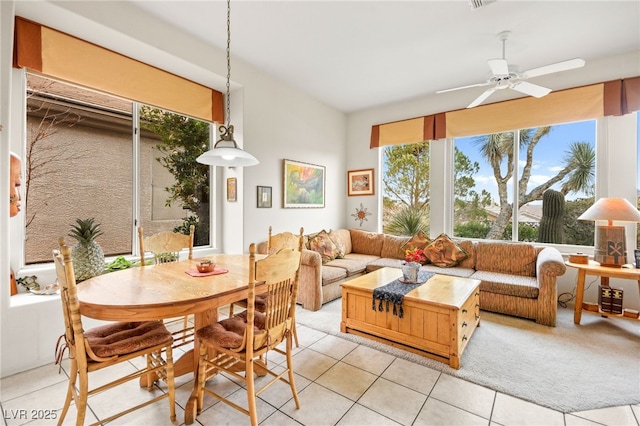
(361, 214)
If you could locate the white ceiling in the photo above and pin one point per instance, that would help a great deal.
(354, 54)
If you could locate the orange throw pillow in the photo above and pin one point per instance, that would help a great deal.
(444, 252)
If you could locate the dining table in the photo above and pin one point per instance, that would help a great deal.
(168, 290)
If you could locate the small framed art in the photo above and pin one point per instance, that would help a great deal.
(264, 197)
(232, 189)
(360, 182)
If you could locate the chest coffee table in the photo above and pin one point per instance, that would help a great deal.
(439, 316)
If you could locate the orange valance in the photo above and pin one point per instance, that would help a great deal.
(616, 97)
(408, 131)
(59, 55)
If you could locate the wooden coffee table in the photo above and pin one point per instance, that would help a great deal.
(439, 316)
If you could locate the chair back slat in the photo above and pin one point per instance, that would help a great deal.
(165, 246)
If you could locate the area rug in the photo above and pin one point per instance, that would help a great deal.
(567, 368)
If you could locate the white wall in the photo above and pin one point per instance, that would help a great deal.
(272, 121)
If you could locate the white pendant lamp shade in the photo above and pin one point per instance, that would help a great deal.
(226, 152)
(227, 156)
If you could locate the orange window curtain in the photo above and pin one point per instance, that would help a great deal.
(59, 55)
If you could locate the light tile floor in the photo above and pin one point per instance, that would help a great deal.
(339, 383)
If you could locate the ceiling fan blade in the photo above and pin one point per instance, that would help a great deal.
(530, 89)
(463, 87)
(499, 66)
(482, 97)
(557, 67)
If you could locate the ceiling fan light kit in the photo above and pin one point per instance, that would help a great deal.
(505, 76)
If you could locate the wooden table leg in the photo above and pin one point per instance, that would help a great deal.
(577, 314)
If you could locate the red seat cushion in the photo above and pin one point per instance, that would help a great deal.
(123, 338)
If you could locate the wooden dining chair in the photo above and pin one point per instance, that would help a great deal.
(166, 247)
(108, 345)
(241, 343)
(282, 240)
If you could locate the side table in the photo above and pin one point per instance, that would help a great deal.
(594, 268)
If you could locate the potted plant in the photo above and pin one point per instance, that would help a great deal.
(411, 266)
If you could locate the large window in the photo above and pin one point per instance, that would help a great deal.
(553, 165)
(406, 189)
(86, 142)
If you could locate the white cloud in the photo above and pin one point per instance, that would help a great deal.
(539, 179)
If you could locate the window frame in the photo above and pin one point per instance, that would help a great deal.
(600, 190)
(18, 229)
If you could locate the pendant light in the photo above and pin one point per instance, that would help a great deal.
(226, 151)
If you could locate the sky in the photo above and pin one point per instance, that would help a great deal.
(548, 155)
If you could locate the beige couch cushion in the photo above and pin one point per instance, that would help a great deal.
(365, 242)
(394, 247)
(470, 261)
(352, 266)
(331, 274)
(508, 284)
(507, 258)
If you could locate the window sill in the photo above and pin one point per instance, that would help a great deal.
(28, 299)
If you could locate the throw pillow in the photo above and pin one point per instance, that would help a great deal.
(417, 241)
(322, 244)
(336, 240)
(444, 252)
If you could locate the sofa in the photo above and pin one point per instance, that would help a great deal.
(517, 279)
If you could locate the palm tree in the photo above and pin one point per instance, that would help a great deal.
(576, 175)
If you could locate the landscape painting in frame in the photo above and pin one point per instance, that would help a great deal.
(303, 185)
(360, 182)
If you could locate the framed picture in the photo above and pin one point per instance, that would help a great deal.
(360, 182)
(303, 185)
(264, 197)
(232, 189)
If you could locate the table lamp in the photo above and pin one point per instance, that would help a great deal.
(610, 242)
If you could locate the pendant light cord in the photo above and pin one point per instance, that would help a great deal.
(228, 117)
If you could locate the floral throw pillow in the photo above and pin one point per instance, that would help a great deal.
(339, 246)
(418, 241)
(444, 252)
(322, 244)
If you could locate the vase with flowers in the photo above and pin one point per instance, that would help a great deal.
(411, 266)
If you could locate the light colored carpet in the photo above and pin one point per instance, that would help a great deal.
(567, 368)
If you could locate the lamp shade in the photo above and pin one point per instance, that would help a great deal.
(611, 209)
(227, 156)
(226, 152)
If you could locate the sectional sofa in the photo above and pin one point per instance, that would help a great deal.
(516, 278)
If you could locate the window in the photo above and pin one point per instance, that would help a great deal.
(558, 160)
(84, 141)
(406, 189)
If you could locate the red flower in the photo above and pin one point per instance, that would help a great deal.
(415, 255)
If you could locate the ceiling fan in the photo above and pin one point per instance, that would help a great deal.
(505, 76)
